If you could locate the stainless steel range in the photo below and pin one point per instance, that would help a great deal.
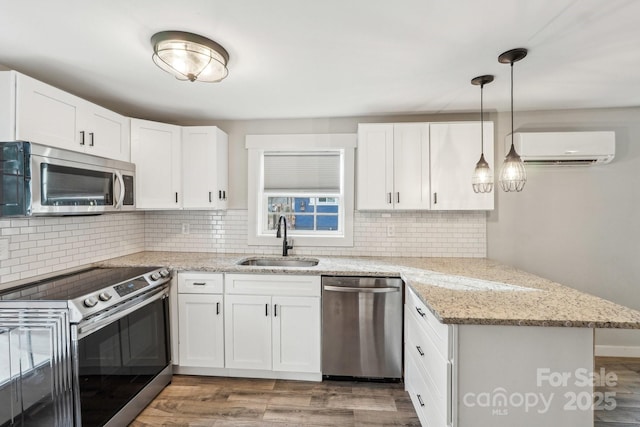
(89, 348)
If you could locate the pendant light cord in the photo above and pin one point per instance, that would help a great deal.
(512, 104)
(481, 121)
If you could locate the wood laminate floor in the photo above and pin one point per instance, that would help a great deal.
(237, 402)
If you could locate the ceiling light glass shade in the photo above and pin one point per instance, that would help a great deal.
(482, 180)
(513, 176)
(189, 56)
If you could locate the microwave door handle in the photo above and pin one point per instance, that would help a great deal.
(122, 190)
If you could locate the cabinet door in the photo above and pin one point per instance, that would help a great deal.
(47, 115)
(411, 166)
(374, 177)
(109, 133)
(201, 330)
(204, 167)
(155, 149)
(248, 332)
(455, 150)
(296, 334)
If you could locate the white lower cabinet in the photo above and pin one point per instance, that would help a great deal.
(273, 324)
(499, 376)
(200, 320)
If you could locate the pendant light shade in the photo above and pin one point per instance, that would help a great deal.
(189, 56)
(513, 176)
(482, 180)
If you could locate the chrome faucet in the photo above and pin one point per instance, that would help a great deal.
(285, 243)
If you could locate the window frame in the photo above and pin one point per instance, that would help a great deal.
(257, 145)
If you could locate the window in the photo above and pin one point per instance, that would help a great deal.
(308, 179)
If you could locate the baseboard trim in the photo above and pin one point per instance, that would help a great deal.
(617, 351)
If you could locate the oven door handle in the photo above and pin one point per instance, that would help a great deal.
(94, 325)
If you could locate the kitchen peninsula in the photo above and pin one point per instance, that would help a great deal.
(485, 344)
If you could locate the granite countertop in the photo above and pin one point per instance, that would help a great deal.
(471, 291)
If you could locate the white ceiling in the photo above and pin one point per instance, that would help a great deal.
(331, 58)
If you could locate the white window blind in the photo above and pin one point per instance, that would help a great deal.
(302, 171)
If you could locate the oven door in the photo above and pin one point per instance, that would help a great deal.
(119, 354)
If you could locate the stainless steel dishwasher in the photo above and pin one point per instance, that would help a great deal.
(362, 327)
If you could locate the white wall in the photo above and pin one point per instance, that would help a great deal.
(578, 226)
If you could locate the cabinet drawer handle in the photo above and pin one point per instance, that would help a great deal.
(275, 310)
(219, 194)
(199, 283)
(209, 196)
(420, 312)
(176, 197)
(92, 139)
(420, 400)
(389, 198)
(224, 195)
(81, 137)
(420, 350)
(398, 197)
(435, 198)
(217, 308)
(266, 310)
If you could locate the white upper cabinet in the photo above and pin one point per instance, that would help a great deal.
(50, 116)
(455, 150)
(204, 167)
(393, 166)
(179, 167)
(421, 166)
(156, 151)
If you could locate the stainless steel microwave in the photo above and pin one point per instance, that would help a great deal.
(39, 180)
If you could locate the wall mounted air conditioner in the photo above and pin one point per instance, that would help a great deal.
(564, 148)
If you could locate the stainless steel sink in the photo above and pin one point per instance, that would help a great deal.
(280, 262)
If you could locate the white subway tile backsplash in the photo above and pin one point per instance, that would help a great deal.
(416, 234)
(45, 245)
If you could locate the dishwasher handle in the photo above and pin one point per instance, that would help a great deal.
(360, 290)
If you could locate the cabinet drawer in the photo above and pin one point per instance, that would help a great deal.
(438, 332)
(424, 401)
(272, 284)
(436, 371)
(200, 283)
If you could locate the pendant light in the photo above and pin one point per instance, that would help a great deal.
(512, 175)
(482, 180)
(189, 56)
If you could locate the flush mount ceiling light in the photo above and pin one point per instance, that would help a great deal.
(189, 56)
(512, 175)
(482, 179)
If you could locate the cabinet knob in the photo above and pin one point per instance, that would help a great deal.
(420, 350)
(275, 310)
(389, 201)
(266, 310)
(209, 196)
(81, 137)
(420, 400)
(217, 309)
(420, 312)
(92, 139)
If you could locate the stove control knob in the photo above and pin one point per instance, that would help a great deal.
(90, 302)
(155, 276)
(164, 273)
(104, 296)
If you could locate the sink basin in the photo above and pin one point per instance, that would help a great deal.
(279, 262)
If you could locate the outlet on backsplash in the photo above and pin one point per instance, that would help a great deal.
(4, 249)
(391, 230)
(185, 228)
